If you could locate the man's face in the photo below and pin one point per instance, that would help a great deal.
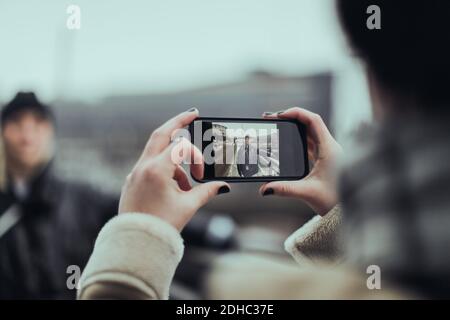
(247, 141)
(28, 139)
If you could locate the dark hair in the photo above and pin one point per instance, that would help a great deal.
(25, 101)
(410, 54)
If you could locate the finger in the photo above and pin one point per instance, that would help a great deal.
(181, 178)
(197, 164)
(297, 189)
(262, 188)
(202, 193)
(161, 137)
(312, 150)
(316, 127)
(270, 115)
(311, 156)
(183, 151)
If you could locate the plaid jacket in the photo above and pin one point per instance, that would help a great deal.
(395, 193)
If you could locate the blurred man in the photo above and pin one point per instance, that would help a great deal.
(46, 224)
(247, 159)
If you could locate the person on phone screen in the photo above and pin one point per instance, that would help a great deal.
(247, 157)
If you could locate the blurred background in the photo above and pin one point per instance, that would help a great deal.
(132, 65)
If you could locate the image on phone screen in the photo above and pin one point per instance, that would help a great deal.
(246, 149)
(251, 149)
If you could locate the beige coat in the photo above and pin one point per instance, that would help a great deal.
(135, 257)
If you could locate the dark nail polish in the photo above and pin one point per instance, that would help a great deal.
(192, 110)
(268, 192)
(223, 189)
(281, 112)
(267, 113)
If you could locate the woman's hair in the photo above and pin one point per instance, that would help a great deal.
(410, 54)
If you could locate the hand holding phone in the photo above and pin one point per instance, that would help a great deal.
(159, 186)
(318, 189)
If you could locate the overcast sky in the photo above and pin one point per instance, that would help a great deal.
(160, 45)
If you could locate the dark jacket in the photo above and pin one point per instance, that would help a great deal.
(58, 224)
(247, 161)
(395, 195)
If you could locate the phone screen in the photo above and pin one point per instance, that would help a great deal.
(251, 149)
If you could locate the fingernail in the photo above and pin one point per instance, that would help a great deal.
(192, 110)
(268, 113)
(223, 189)
(268, 192)
(281, 112)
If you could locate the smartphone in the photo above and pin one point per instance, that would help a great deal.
(251, 150)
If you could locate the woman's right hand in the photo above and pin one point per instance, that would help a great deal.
(318, 189)
(159, 186)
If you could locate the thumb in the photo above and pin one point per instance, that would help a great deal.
(206, 191)
(297, 189)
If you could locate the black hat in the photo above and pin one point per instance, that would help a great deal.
(25, 101)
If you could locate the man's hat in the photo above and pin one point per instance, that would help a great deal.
(25, 101)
